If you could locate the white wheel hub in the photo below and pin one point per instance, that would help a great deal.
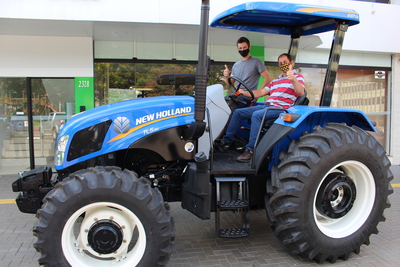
(77, 238)
(362, 200)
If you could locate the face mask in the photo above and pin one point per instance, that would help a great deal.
(244, 53)
(284, 67)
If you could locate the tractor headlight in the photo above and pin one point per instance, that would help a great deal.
(60, 149)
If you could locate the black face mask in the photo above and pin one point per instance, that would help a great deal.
(244, 53)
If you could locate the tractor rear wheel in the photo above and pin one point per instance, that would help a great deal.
(329, 192)
(104, 216)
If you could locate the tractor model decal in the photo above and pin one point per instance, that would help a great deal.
(147, 120)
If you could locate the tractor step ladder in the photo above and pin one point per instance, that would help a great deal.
(236, 200)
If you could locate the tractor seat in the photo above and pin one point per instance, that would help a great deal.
(301, 100)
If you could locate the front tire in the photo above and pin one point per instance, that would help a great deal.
(329, 192)
(104, 216)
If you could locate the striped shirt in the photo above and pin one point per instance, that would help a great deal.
(282, 92)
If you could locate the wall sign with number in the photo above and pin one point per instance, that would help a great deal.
(84, 84)
(84, 93)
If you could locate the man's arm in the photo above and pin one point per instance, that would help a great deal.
(267, 78)
(257, 93)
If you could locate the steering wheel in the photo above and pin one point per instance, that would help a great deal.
(239, 83)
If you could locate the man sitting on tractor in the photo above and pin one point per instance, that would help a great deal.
(283, 92)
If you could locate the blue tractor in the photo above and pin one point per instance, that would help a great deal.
(323, 180)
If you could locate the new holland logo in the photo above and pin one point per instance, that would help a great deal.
(121, 125)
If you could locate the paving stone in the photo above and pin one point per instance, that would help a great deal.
(196, 243)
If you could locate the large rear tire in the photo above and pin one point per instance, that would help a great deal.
(329, 192)
(104, 216)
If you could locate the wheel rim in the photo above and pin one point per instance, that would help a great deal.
(101, 234)
(344, 199)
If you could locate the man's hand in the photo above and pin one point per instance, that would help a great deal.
(246, 93)
(298, 88)
(290, 73)
(239, 92)
(227, 72)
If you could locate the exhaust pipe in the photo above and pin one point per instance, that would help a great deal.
(196, 129)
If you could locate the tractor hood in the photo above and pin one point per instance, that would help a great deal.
(116, 126)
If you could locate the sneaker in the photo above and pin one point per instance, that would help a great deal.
(246, 156)
(221, 145)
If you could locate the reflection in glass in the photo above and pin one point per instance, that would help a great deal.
(359, 89)
(52, 105)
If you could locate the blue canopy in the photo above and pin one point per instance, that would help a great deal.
(283, 18)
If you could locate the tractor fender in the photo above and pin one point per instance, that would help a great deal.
(281, 133)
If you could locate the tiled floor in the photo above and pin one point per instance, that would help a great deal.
(196, 243)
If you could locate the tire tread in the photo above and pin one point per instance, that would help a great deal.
(291, 176)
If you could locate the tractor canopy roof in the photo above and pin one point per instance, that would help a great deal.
(284, 18)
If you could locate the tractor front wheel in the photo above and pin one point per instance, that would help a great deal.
(104, 216)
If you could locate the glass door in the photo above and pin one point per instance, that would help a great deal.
(52, 106)
(52, 103)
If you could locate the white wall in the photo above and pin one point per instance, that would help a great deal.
(374, 33)
(395, 112)
(369, 35)
(372, 42)
(45, 56)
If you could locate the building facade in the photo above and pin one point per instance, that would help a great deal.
(58, 58)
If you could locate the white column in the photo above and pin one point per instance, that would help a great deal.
(395, 111)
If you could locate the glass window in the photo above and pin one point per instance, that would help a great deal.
(121, 81)
(14, 124)
(52, 105)
(366, 90)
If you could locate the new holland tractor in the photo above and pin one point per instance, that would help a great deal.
(321, 177)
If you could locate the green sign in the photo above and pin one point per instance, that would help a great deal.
(84, 93)
(258, 51)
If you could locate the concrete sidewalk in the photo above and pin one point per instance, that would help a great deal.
(196, 243)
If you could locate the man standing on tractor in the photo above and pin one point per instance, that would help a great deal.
(249, 68)
(283, 92)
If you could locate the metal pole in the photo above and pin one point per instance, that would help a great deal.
(197, 128)
(333, 64)
(30, 122)
(294, 42)
(294, 45)
(201, 72)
